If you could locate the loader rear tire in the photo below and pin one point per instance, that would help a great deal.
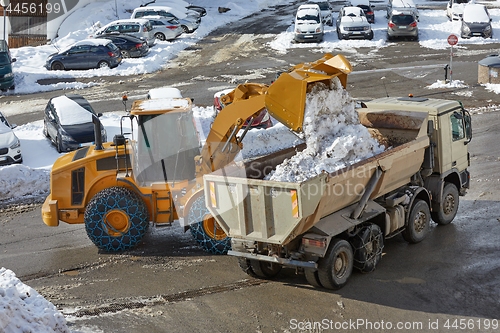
(417, 226)
(205, 230)
(449, 205)
(368, 245)
(116, 219)
(336, 267)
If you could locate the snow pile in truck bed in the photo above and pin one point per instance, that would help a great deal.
(334, 136)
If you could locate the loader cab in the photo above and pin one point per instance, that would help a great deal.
(167, 141)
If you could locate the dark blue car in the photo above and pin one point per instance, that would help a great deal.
(86, 54)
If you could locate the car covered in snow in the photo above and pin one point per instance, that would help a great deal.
(308, 24)
(367, 7)
(10, 146)
(68, 122)
(455, 9)
(476, 22)
(352, 23)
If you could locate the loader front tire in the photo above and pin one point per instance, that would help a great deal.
(205, 230)
(336, 267)
(116, 219)
(417, 226)
(448, 207)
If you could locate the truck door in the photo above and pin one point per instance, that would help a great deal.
(459, 141)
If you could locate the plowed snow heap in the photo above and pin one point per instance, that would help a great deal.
(333, 134)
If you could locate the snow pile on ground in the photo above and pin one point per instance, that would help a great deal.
(22, 309)
(22, 181)
(333, 134)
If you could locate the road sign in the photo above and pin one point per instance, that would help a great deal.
(452, 39)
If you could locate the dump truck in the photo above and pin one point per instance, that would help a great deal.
(333, 222)
(153, 173)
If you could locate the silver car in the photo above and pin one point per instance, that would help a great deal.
(164, 28)
(139, 28)
(402, 24)
(352, 23)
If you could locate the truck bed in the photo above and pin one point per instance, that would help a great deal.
(250, 208)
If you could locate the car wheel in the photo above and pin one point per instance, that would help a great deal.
(103, 64)
(160, 36)
(57, 66)
(12, 87)
(124, 53)
(186, 30)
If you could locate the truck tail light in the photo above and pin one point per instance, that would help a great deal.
(321, 243)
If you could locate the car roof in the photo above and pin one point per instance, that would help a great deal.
(360, 2)
(309, 6)
(70, 111)
(403, 3)
(352, 10)
(136, 20)
(402, 12)
(474, 12)
(172, 10)
(91, 41)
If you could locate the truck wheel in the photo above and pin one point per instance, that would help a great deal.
(205, 229)
(312, 278)
(264, 269)
(116, 219)
(449, 205)
(418, 222)
(246, 267)
(336, 267)
(368, 245)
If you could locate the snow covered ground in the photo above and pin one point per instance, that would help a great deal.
(22, 309)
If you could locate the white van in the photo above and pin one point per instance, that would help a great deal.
(308, 24)
(406, 5)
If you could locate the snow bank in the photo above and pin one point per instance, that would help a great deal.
(22, 309)
(333, 134)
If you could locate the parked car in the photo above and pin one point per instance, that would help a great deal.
(263, 120)
(367, 7)
(308, 24)
(164, 28)
(476, 21)
(67, 122)
(326, 11)
(188, 23)
(6, 61)
(400, 5)
(139, 28)
(455, 9)
(86, 54)
(130, 46)
(402, 24)
(178, 4)
(352, 23)
(10, 146)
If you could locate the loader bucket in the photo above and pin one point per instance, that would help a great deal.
(286, 97)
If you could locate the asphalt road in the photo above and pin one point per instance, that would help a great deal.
(168, 284)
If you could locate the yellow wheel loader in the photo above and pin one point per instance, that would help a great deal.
(154, 174)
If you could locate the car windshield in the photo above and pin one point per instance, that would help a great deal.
(70, 112)
(402, 19)
(4, 59)
(308, 17)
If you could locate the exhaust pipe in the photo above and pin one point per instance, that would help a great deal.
(97, 132)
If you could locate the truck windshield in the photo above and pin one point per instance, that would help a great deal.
(165, 148)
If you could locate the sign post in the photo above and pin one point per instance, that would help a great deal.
(452, 40)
